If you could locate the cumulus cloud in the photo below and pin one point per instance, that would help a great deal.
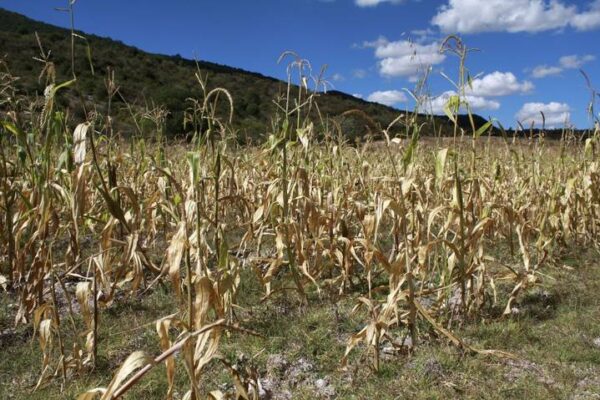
(423, 35)
(373, 3)
(388, 97)
(472, 16)
(542, 71)
(359, 73)
(588, 20)
(408, 65)
(556, 114)
(498, 84)
(565, 62)
(403, 57)
(436, 105)
(380, 41)
(402, 48)
(575, 61)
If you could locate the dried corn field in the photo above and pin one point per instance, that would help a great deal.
(422, 237)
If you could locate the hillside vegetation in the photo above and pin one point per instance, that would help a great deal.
(146, 79)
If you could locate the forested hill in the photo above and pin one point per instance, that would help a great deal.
(146, 79)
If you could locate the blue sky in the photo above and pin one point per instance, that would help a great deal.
(530, 51)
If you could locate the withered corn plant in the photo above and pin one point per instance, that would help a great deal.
(424, 237)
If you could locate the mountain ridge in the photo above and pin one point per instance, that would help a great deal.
(166, 80)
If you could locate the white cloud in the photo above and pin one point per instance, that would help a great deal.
(423, 35)
(565, 62)
(402, 48)
(589, 20)
(380, 41)
(498, 84)
(357, 95)
(408, 65)
(359, 73)
(337, 77)
(472, 16)
(481, 103)
(575, 61)
(436, 105)
(373, 3)
(542, 71)
(555, 113)
(403, 57)
(388, 97)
